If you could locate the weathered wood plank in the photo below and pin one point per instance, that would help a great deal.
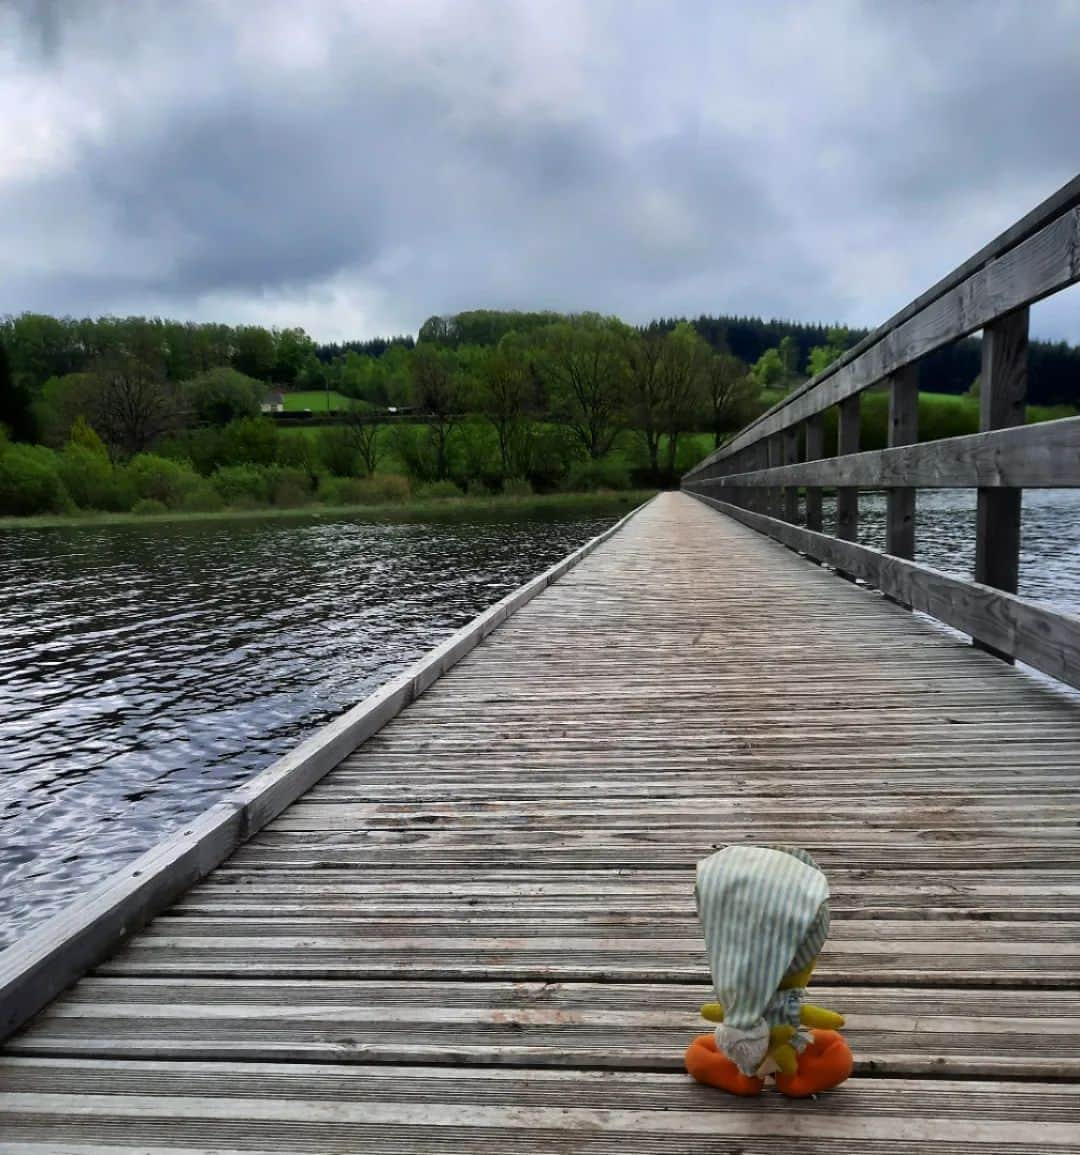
(1002, 404)
(1046, 455)
(489, 906)
(903, 430)
(1047, 640)
(815, 449)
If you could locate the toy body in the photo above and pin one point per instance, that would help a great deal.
(765, 914)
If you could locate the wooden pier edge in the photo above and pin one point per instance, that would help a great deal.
(38, 967)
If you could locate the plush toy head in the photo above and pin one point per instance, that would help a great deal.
(765, 914)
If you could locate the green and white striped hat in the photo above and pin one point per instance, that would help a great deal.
(765, 914)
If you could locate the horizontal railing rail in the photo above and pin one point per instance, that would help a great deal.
(757, 475)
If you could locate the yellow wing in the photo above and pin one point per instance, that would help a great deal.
(812, 1016)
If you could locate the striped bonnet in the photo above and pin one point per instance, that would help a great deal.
(765, 914)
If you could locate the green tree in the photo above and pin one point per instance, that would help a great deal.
(728, 386)
(253, 352)
(585, 364)
(221, 395)
(438, 392)
(789, 355)
(16, 404)
(355, 445)
(507, 397)
(293, 350)
(683, 373)
(127, 400)
(822, 356)
(768, 370)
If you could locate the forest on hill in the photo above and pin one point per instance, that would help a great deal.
(104, 413)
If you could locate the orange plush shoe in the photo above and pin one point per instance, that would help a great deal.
(705, 1063)
(825, 1063)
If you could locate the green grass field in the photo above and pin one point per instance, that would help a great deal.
(317, 400)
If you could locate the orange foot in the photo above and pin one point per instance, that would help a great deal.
(705, 1063)
(825, 1063)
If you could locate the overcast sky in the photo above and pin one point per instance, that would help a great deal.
(354, 166)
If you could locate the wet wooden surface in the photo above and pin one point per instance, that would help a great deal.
(478, 932)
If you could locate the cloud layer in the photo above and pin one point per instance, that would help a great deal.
(355, 167)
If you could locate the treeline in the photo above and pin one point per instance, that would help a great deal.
(498, 400)
(579, 403)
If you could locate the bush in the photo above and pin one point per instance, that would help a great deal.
(203, 498)
(414, 449)
(249, 441)
(243, 485)
(381, 489)
(160, 479)
(30, 481)
(147, 506)
(338, 451)
(517, 487)
(298, 452)
(476, 488)
(479, 461)
(85, 435)
(588, 476)
(437, 491)
(289, 487)
(91, 480)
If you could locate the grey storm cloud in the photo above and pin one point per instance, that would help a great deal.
(355, 167)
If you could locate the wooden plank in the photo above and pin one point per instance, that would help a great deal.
(48, 959)
(1002, 404)
(1046, 455)
(790, 455)
(1042, 638)
(1043, 264)
(903, 430)
(587, 1026)
(488, 906)
(643, 1090)
(209, 1125)
(815, 449)
(847, 498)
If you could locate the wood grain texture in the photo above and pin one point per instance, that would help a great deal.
(477, 933)
(1046, 455)
(1006, 624)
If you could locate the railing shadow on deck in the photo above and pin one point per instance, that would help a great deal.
(755, 477)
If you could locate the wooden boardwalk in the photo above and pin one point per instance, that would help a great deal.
(478, 932)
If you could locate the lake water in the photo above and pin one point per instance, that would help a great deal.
(144, 670)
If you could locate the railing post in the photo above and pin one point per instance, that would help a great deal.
(815, 450)
(776, 457)
(903, 430)
(847, 497)
(790, 455)
(1002, 404)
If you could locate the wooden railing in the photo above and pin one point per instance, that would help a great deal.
(756, 476)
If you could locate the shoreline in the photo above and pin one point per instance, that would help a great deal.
(601, 503)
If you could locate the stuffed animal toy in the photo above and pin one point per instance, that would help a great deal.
(765, 914)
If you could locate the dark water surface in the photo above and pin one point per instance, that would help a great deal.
(145, 670)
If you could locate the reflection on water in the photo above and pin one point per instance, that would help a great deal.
(144, 670)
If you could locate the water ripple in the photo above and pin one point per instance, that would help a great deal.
(144, 670)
